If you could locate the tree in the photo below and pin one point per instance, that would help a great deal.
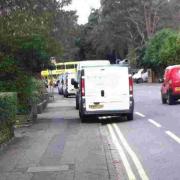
(163, 50)
(170, 51)
(27, 39)
(124, 26)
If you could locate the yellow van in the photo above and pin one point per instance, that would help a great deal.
(60, 68)
(71, 66)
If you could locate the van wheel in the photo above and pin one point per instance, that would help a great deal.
(77, 105)
(164, 100)
(83, 117)
(170, 99)
(59, 92)
(140, 80)
(77, 102)
(130, 116)
(65, 94)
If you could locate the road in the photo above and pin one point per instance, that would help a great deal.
(59, 147)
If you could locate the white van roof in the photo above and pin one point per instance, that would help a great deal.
(92, 63)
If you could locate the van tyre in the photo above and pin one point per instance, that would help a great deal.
(83, 117)
(77, 104)
(65, 94)
(59, 92)
(130, 116)
(140, 80)
(163, 99)
(77, 107)
(77, 101)
(170, 99)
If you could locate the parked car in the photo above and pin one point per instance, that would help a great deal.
(141, 76)
(68, 88)
(106, 90)
(170, 90)
(80, 66)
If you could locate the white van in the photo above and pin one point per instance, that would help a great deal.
(68, 88)
(106, 90)
(80, 66)
(60, 84)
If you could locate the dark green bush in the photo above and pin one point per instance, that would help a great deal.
(8, 107)
(40, 90)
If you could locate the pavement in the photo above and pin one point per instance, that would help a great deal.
(57, 147)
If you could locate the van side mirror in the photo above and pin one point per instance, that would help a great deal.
(73, 81)
(76, 85)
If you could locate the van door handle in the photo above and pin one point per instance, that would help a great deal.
(102, 93)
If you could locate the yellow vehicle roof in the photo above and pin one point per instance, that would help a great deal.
(59, 63)
(73, 62)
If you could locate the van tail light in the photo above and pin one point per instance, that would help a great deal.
(83, 87)
(130, 85)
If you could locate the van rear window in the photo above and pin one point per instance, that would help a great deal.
(59, 67)
(70, 66)
(176, 74)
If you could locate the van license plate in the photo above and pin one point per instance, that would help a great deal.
(96, 106)
(177, 89)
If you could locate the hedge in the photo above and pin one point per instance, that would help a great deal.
(8, 108)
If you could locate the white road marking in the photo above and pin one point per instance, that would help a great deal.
(132, 154)
(173, 136)
(140, 114)
(48, 168)
(129, 171)
(155, 123)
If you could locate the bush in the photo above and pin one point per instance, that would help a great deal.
(8, 107)
(39, 90)
(162, 50)
(29, 93)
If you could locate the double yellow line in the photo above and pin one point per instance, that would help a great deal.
(118, 137)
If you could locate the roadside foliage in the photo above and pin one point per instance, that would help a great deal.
(121, 28)
(163, 50)
(8, 107)
(30, 33)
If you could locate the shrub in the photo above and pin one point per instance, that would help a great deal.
(8, 107)
(162, 50)
(40, 90)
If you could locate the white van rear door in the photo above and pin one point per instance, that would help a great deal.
(71, 88)
(107, 88)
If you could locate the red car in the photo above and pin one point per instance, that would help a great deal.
(170, 90)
